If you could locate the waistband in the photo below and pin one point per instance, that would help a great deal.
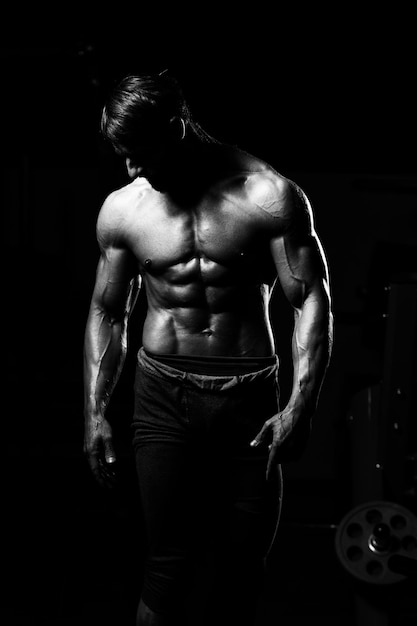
(268, 368)
(214, 365)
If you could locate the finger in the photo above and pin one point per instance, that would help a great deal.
(260, 436)
(96, 468)
(94, 464)
(109, 453)
(107, 474)
(273, 449)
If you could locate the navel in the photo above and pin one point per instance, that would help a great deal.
(207, 331)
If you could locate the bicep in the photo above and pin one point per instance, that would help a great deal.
(297, 251)
(301, 267)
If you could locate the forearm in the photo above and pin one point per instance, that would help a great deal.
(311, 350)
(104, 355)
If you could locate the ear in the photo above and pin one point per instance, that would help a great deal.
(132, 169)
(177, 126)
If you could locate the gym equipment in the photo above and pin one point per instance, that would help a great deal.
(376, 542)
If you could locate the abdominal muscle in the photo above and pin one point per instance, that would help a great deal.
(241, 329)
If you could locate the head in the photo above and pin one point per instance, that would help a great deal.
(145, 118)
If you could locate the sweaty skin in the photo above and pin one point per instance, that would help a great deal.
(208, 262)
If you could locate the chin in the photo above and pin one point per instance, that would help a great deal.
(159, 180)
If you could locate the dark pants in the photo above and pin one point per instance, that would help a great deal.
(210, 514)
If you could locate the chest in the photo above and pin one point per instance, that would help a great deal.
(219, 232)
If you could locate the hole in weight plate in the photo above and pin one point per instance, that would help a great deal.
(409, 543)
(398, 522)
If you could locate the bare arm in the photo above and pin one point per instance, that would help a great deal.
(303, 274)
(105, 346)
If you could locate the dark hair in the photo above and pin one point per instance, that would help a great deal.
(139, 111)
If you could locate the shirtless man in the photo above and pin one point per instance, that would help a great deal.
(206, 229)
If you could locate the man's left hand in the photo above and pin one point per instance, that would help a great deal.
(286, 435)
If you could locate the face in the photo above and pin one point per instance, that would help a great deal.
(154, 159)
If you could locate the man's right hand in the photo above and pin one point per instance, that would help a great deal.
(99, 450)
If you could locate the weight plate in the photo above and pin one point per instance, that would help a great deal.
(370, 535)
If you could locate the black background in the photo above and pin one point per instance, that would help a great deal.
(328, 98)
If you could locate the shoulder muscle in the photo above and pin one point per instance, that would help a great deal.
(282, 200)
(115, 211)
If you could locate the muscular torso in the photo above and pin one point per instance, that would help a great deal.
(206, 266)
